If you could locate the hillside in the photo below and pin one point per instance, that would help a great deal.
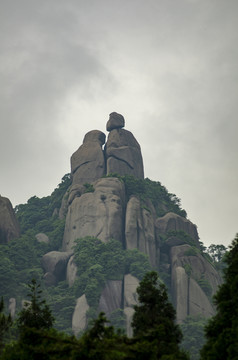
(99, 232)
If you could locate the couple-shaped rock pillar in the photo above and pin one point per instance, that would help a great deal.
(122, 154)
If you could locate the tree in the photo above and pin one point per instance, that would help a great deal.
(36, 313)
(5, 323)
(216, 252)
(222, 330)
(193, 335)
(154, 321)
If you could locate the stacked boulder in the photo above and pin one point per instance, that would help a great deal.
(96, 205)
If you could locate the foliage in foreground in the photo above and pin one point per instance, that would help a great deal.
(222, 330)
(154, 340)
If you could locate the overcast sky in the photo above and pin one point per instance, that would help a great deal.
(168, 66)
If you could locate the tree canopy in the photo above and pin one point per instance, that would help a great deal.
(154, 319)
(222, 330)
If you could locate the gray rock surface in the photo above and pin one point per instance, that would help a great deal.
(131, 283)
(111, 297)
(55, 262)
(9, 227)
(41, 237)
(188, 296)
(87, 163)
(79, 319)
(123, 154)
(71, 272)
(12, 307)
(116, 121)
(172, 221)
(99, 213)
(129, 312)
(140, 229)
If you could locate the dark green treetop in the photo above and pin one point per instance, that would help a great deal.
(36, 313)
(154, 320)
(222, 330)
(5, 323)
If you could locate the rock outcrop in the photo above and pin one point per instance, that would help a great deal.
(111, 297)
(79, 320)
(194, 281)
(99, 213)
(140, 228)
(123, 154)
(54, 264)
(175, 222)
(100, 207)
(87, 163)
(9, 227)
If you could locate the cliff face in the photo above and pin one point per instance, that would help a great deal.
(9, 227)
(98, 206)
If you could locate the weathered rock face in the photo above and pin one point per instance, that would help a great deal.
(79, 320)
(140, 229)
(111, 297)
(123, 154)
(71, 272)
(116, 121)
(87, 163)
(55, 263)
(193, 281)
(99, 213)
(172, 221)
(130, 299)
(9, 227)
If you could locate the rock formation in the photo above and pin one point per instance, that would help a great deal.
(87, 163)
(9, 227)
(99, 213)
(97, 205)
(122, 151)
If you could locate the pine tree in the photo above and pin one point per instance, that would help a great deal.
(222, 330)
(36, 313)
(154, 321)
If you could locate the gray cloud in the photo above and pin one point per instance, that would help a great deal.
(169, 67)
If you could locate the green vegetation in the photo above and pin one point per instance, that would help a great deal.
(5, 323)
(154, 321)
(97, 262)
(221, 331)
(193, 335)
(158, 339)
(88, 187)
(147, 189)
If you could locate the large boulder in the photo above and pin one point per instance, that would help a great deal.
(140, 230)
(193, 280)
(9, 227)
(79, 319)
(116, 121)
(55, 263)
(87, 163)
(110, 299)
(99, 213)
(123, 154)
(175, 222)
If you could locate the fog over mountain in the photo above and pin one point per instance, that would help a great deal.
(170, 67)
